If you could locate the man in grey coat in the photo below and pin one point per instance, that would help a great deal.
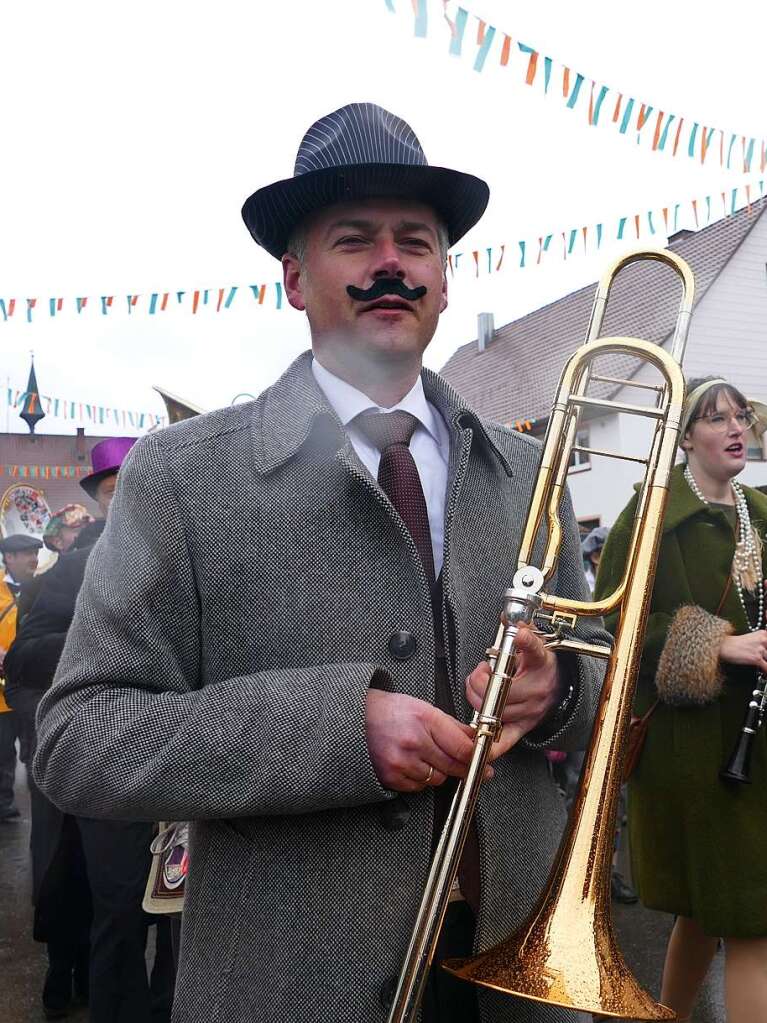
(282, 636)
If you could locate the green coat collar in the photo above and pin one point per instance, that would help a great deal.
(683, 504)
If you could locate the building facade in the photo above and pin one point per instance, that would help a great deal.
(513, 376)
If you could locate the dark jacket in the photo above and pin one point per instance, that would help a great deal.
(32, 658)
(697, 842)
(30, 666)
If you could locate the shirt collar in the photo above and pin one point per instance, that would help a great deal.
(348, 402)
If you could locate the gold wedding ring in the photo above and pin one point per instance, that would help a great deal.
(429, 776)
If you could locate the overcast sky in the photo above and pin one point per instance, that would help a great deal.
(132, 133)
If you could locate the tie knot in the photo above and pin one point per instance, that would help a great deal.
(383, 429)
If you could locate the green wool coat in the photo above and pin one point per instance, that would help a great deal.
(698, 844)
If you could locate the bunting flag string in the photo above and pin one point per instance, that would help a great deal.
(534, 250)
(154, 303)
(629, 229)
(45, 472)
(99, 415)
(630, 115)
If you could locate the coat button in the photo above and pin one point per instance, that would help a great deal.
(387, 992)
(402, 645)
(395, 813)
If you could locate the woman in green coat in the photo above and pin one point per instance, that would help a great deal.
(698, 842)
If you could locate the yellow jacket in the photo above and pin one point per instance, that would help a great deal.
(8, 614)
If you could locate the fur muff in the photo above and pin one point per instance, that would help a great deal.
(689, 673)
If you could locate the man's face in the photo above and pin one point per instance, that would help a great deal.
(359, 243)
(22, 565)
(105, 491)
(65, 538)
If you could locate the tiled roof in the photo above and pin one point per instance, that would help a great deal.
(517, 374)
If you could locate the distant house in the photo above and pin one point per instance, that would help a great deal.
(511, 373)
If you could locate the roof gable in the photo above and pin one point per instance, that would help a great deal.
(517, 374)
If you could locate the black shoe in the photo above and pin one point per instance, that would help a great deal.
(621, 890)
(57, 992)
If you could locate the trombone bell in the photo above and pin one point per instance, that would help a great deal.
(558, 961)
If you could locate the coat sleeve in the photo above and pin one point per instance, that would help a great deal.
(128, 731)
(585, 673)
(611, 567)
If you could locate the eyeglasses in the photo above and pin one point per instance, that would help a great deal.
(719, 422)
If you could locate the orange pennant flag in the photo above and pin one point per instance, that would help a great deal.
(617, 111)
(540, 250)
(505, 50)
(665, 217)
(641, 117)
(695, 210)
(678, 135)
(636, 223)
(164, 302)
(220, 299)
(704, 143)
(656, 136)
(195, 301)
(748, 198)
(591, 103)
(566, 82)
(475, 253)
(480, 32)
(498, 264)
(584, 232)
(564, 247)
(532, 67)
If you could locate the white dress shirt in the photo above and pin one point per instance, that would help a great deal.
(429, 446)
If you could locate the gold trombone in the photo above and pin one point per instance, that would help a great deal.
(566, 953)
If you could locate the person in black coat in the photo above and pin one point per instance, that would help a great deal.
(61, 893)
(88, 875)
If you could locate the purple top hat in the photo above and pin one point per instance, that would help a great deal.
(106, 458)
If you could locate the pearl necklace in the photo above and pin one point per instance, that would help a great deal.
(746, 558)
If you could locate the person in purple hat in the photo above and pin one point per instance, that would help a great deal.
(88, 876)
(106, 459)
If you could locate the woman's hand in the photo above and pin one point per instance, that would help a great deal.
(750, 650)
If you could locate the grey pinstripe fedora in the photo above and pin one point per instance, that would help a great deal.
(361, 152)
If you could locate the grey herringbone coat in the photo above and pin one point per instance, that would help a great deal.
(232, 617)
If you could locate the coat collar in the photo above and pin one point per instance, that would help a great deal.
(683, 504)
(295, 408)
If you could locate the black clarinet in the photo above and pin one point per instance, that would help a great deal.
(738, 767)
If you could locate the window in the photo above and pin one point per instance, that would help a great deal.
(587, 524)
(580, 460)
(755, 447)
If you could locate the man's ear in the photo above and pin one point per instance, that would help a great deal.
(443, 302)
(291, 275)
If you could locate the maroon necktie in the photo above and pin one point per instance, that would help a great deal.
(390, 432)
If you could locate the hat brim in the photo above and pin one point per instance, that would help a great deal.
(273, 212)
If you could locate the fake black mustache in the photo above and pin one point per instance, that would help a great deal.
(386, 286)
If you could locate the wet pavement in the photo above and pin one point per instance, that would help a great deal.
(642, 935)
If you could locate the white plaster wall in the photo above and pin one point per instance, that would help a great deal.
(603, 490)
